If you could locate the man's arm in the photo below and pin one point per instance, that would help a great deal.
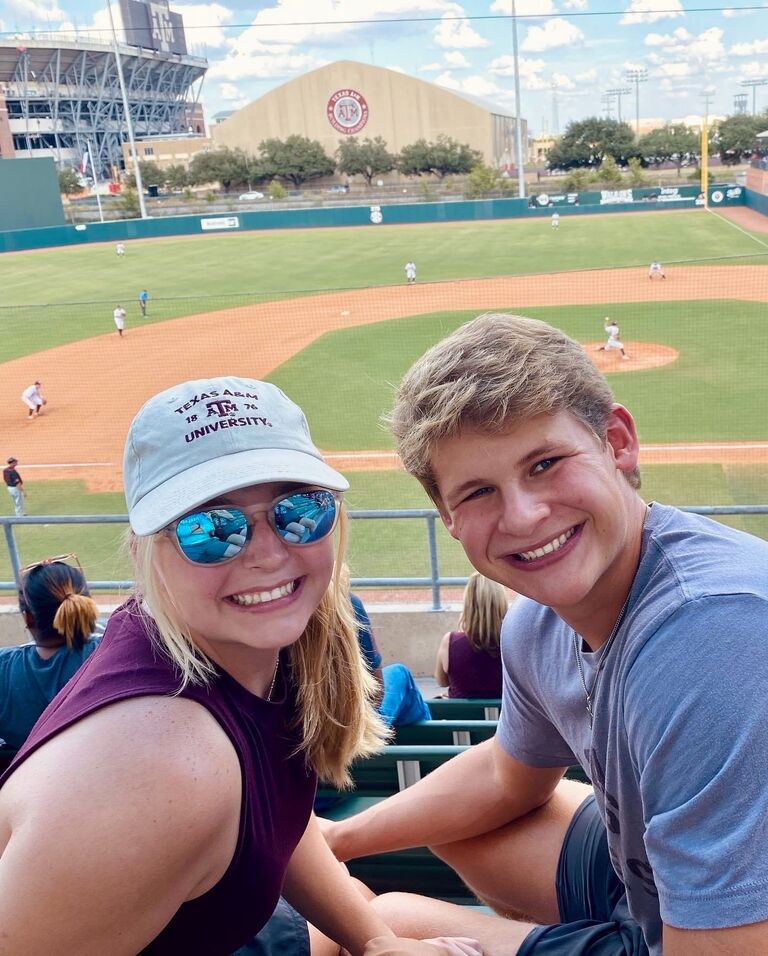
(441, 661)
(447, 805)
(749, 940)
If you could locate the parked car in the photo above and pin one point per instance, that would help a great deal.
(338, 188)
(252, 195)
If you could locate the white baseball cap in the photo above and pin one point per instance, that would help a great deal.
(202, 439)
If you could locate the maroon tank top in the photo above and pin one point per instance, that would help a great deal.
(471, 673)
(278, 790)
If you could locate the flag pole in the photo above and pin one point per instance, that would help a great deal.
(89, 154)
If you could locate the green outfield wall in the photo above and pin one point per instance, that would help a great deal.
(29, 195)
(588, 203)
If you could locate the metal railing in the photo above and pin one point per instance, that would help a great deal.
(435, 581)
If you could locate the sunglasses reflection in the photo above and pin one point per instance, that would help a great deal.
(219, 534)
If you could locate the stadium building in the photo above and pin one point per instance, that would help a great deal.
(59, 97)
(355, 99)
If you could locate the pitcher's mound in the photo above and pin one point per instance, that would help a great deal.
(642, 355)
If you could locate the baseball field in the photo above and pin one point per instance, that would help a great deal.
(326, 315)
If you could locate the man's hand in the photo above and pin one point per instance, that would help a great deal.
(440, 946)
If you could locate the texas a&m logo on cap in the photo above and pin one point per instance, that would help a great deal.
(347, 111)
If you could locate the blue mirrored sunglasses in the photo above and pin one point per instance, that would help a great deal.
(216, 535)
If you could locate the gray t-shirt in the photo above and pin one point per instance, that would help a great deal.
(678, 754)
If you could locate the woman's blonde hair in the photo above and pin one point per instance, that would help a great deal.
(334, 689)
(485, 604)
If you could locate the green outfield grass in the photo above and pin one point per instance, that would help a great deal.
(380, 548)
(65, 294)
(715, 390)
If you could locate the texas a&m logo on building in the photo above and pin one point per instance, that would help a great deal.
(347, 111)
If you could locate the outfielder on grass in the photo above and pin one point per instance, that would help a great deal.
(636, 649)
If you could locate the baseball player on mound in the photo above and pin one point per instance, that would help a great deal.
(33, 399)
(614, 343)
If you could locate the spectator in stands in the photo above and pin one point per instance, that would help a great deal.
(399, 699)
(168, 789)
(61, 618)
(468, 660)
(636, 647)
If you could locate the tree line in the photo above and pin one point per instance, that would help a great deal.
(586, 144)
(298, 160)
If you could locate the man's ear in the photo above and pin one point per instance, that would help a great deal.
(445, 517)
(29, 621)
(621, 439)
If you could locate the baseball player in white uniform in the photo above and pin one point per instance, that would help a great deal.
(555, 220)
(410, 271)
(33, 399)
(614, 343)
(120, 249)
(655, 271)
(119, 316)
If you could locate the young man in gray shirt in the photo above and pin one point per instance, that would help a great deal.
(636, 649)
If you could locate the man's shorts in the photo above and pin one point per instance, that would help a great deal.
(594, 915)
(285, 934)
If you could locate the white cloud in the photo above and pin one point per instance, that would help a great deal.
(736, 12)
(755, 70)
(589, 76)
(452, 34)
(555, 33)
(524, 8)
(575, 4)
(262, 66)
(705, 47)
(649, 11)
(680, 35)
(750, 49)
(431, 67)
(675, 69)
(456, 60)
(473, 85)
(204, 23)
(505, 66)
(98, 30)
(37, 10)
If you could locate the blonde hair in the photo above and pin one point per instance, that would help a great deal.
(491, 373)
(335, 714)
(485, 604)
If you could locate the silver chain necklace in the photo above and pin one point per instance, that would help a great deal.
(589, 694)
(274, 680)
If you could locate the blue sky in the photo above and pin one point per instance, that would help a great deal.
(571, 51)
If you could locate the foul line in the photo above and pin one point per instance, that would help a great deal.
(76, 464)
(735, 226)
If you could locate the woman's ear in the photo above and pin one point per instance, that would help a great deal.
(29, 621)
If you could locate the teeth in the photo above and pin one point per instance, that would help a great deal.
(547, 548)
(264, 597)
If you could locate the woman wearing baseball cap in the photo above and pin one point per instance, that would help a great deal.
(169, 786)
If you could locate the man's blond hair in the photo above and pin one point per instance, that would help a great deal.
(492, 373)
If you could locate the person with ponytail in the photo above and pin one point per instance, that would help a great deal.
(60, 616)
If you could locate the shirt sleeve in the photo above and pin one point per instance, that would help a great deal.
(525, 731)
(697, 712)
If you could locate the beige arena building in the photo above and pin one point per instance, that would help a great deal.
(356, 99)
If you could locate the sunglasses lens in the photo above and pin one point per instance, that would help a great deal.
(209, 537)
(305, 517)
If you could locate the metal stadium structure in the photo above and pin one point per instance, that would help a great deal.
(57, 97)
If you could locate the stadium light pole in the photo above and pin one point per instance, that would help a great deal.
(618, 92)
(754, 84)
(128, 121)
(518, 117)
(637, 77)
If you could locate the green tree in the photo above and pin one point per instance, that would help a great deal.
(176, 177)
(635, 175)
(130, 201)
(577, 180)
(608, 172)
(297, 159)
(69, 181)
(735, 137)
(151, 174)
(277, 190)
(368, 158)
(585, 143)
(444, 157)
(674, 142)
(481, 181)
(229, 167)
